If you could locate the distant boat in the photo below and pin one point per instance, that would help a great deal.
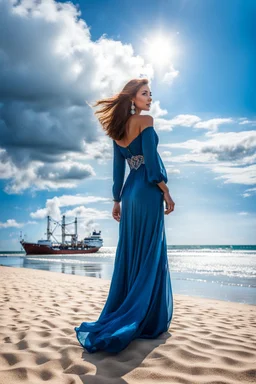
(90, 244)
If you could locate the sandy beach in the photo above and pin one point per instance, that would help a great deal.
(209, 341)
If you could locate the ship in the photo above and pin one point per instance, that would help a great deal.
(89, 244)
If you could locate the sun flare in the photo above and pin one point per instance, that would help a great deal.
(159, 50)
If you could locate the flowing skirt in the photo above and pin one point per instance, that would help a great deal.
(140, 301)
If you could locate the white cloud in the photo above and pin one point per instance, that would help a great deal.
(54, 205)
(246, 121)
(236, 147)
(156, 111)
(50, 72)
(11, 223)
(191, 121)
(54, 209)
(213, 124)
(37, 175)
(249, 192)
(170, 75)
(236, 175)
(84, 212)
(231, 153)
(185, 120)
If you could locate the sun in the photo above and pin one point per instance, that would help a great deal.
(159, 50)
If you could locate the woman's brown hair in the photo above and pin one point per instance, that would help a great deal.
(116, 110)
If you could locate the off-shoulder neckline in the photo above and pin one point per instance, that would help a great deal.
(151, 126)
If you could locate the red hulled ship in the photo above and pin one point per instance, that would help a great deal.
(90, 244)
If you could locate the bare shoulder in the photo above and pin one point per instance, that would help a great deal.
(146, 121)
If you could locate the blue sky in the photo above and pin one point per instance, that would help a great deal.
(55, 158)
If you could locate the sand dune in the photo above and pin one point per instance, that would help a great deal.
(209, 341)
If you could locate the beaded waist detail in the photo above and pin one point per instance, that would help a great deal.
(135, 161)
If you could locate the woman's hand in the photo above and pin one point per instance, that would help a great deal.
(116, 212)
(169, 203)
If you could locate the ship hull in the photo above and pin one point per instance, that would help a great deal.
(39, 249)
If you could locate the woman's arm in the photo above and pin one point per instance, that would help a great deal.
(155, 169)
(163, 186)
(118, 172)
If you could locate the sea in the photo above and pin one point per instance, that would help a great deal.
(222, 272)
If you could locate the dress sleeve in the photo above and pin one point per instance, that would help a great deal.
(155, 168)
(118, 172)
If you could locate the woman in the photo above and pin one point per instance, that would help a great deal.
(139, 303)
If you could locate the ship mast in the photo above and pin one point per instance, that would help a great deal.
(63, 230)
(48, 228)
(74, 236)
(76, 231)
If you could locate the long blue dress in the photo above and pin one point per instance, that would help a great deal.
(140, 300)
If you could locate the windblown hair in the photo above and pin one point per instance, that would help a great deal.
(116, 110)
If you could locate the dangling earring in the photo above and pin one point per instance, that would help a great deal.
(132, 108)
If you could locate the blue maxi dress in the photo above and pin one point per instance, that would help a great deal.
(140, 300)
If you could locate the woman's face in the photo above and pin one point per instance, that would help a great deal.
(143, 99)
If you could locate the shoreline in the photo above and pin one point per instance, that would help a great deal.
(221, 292)
(208, 340)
